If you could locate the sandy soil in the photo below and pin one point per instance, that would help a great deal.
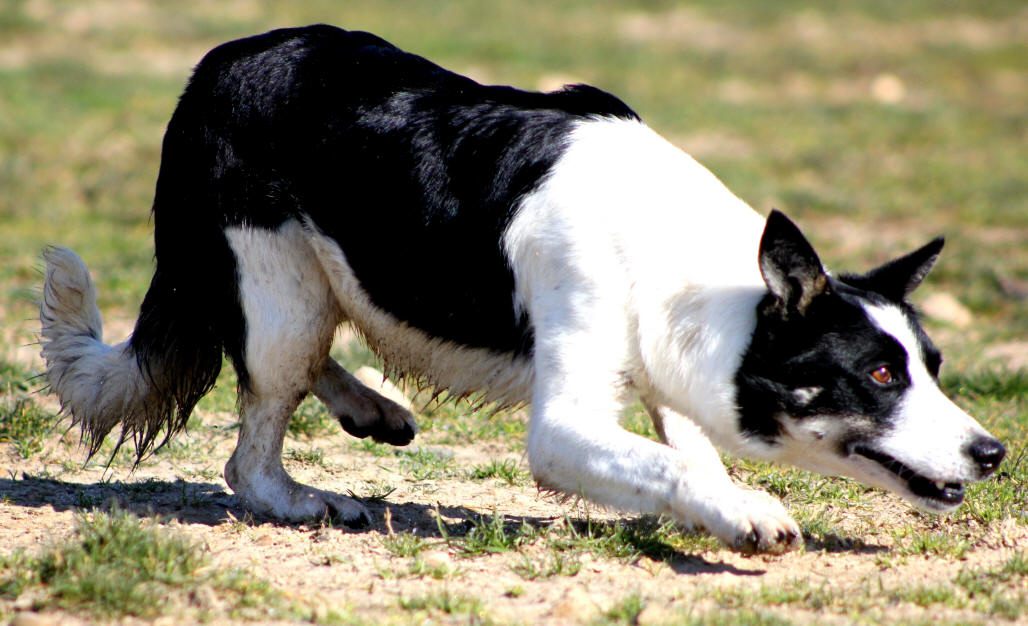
(338, 568)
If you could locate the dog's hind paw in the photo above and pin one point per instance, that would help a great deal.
(303, 504)
(753, 522)
(275, 494)
(347, 511)
(393, 425)
(362, 411)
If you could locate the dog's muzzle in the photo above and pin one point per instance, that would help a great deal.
(986, 454)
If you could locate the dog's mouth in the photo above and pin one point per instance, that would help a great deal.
(934, 494)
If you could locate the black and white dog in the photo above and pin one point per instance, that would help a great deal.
(533, 247)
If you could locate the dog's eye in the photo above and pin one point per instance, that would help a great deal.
(882, 375)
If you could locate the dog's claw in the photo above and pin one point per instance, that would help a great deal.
(361, 520)
(754, 523)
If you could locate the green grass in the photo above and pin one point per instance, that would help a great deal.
(931, 543)
(625, 610)
(997, 591)
(404, 544)
(115, 564)
(488, 535)
(459, 422)
(629, 540)
(22, 422)
(994, 592)
(312, 420)
(446, 603)
(547, 566)
(312, 456)
(422, 464)
(421, 568)
(506, 470)
(1000, 401)
(776, 98)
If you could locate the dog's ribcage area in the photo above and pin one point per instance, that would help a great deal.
(504, 378)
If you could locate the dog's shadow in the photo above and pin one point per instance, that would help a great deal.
(209, 504)
(186, 501)
(833, 543)
(203, 503)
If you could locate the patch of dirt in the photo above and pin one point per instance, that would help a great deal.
(354, 572)
(345, 569)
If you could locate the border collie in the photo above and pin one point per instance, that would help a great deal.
(542, 248)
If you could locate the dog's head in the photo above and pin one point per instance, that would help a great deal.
(841, 379)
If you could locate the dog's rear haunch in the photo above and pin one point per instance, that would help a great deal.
(532, 247)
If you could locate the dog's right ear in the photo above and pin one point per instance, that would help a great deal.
(791, 269)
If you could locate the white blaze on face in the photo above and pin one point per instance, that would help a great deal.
(930, 434)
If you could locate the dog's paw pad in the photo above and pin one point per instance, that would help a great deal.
(382, 419)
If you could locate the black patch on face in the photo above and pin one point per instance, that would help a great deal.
(835, 346)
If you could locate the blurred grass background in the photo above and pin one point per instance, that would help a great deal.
(877, 124)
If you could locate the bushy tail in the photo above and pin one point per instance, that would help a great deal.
(101, 386)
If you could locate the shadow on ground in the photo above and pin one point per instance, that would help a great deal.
(209, 504)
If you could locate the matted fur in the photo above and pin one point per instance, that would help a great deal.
(100, 386)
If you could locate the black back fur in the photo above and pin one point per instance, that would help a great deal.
(394, 157)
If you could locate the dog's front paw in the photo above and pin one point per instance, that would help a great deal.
(750, 522)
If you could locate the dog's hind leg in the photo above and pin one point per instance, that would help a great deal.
(291, 315)
(362, 411)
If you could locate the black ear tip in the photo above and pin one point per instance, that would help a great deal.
(779, 226)
(937, 244)
(776, 220)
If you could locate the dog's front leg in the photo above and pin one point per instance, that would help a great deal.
(576, 446)
(674, 429)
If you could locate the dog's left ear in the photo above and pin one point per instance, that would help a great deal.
(791, 269)
(897, 279)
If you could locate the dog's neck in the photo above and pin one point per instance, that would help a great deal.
(709, 331)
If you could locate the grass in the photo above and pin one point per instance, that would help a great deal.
(423, 464)
(776, 98)
(312, 420)
(445, 602)
(404, 544)
(658, 539)
(22, 422)
(506, 470)
(548, 566)
(626, 610)
(115, 564)
(933, 543)
(487, 535)
(452, 422)
(312, 456)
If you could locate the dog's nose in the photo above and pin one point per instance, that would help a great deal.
(987, 454)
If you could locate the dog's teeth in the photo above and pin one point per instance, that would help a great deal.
(941, 485)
